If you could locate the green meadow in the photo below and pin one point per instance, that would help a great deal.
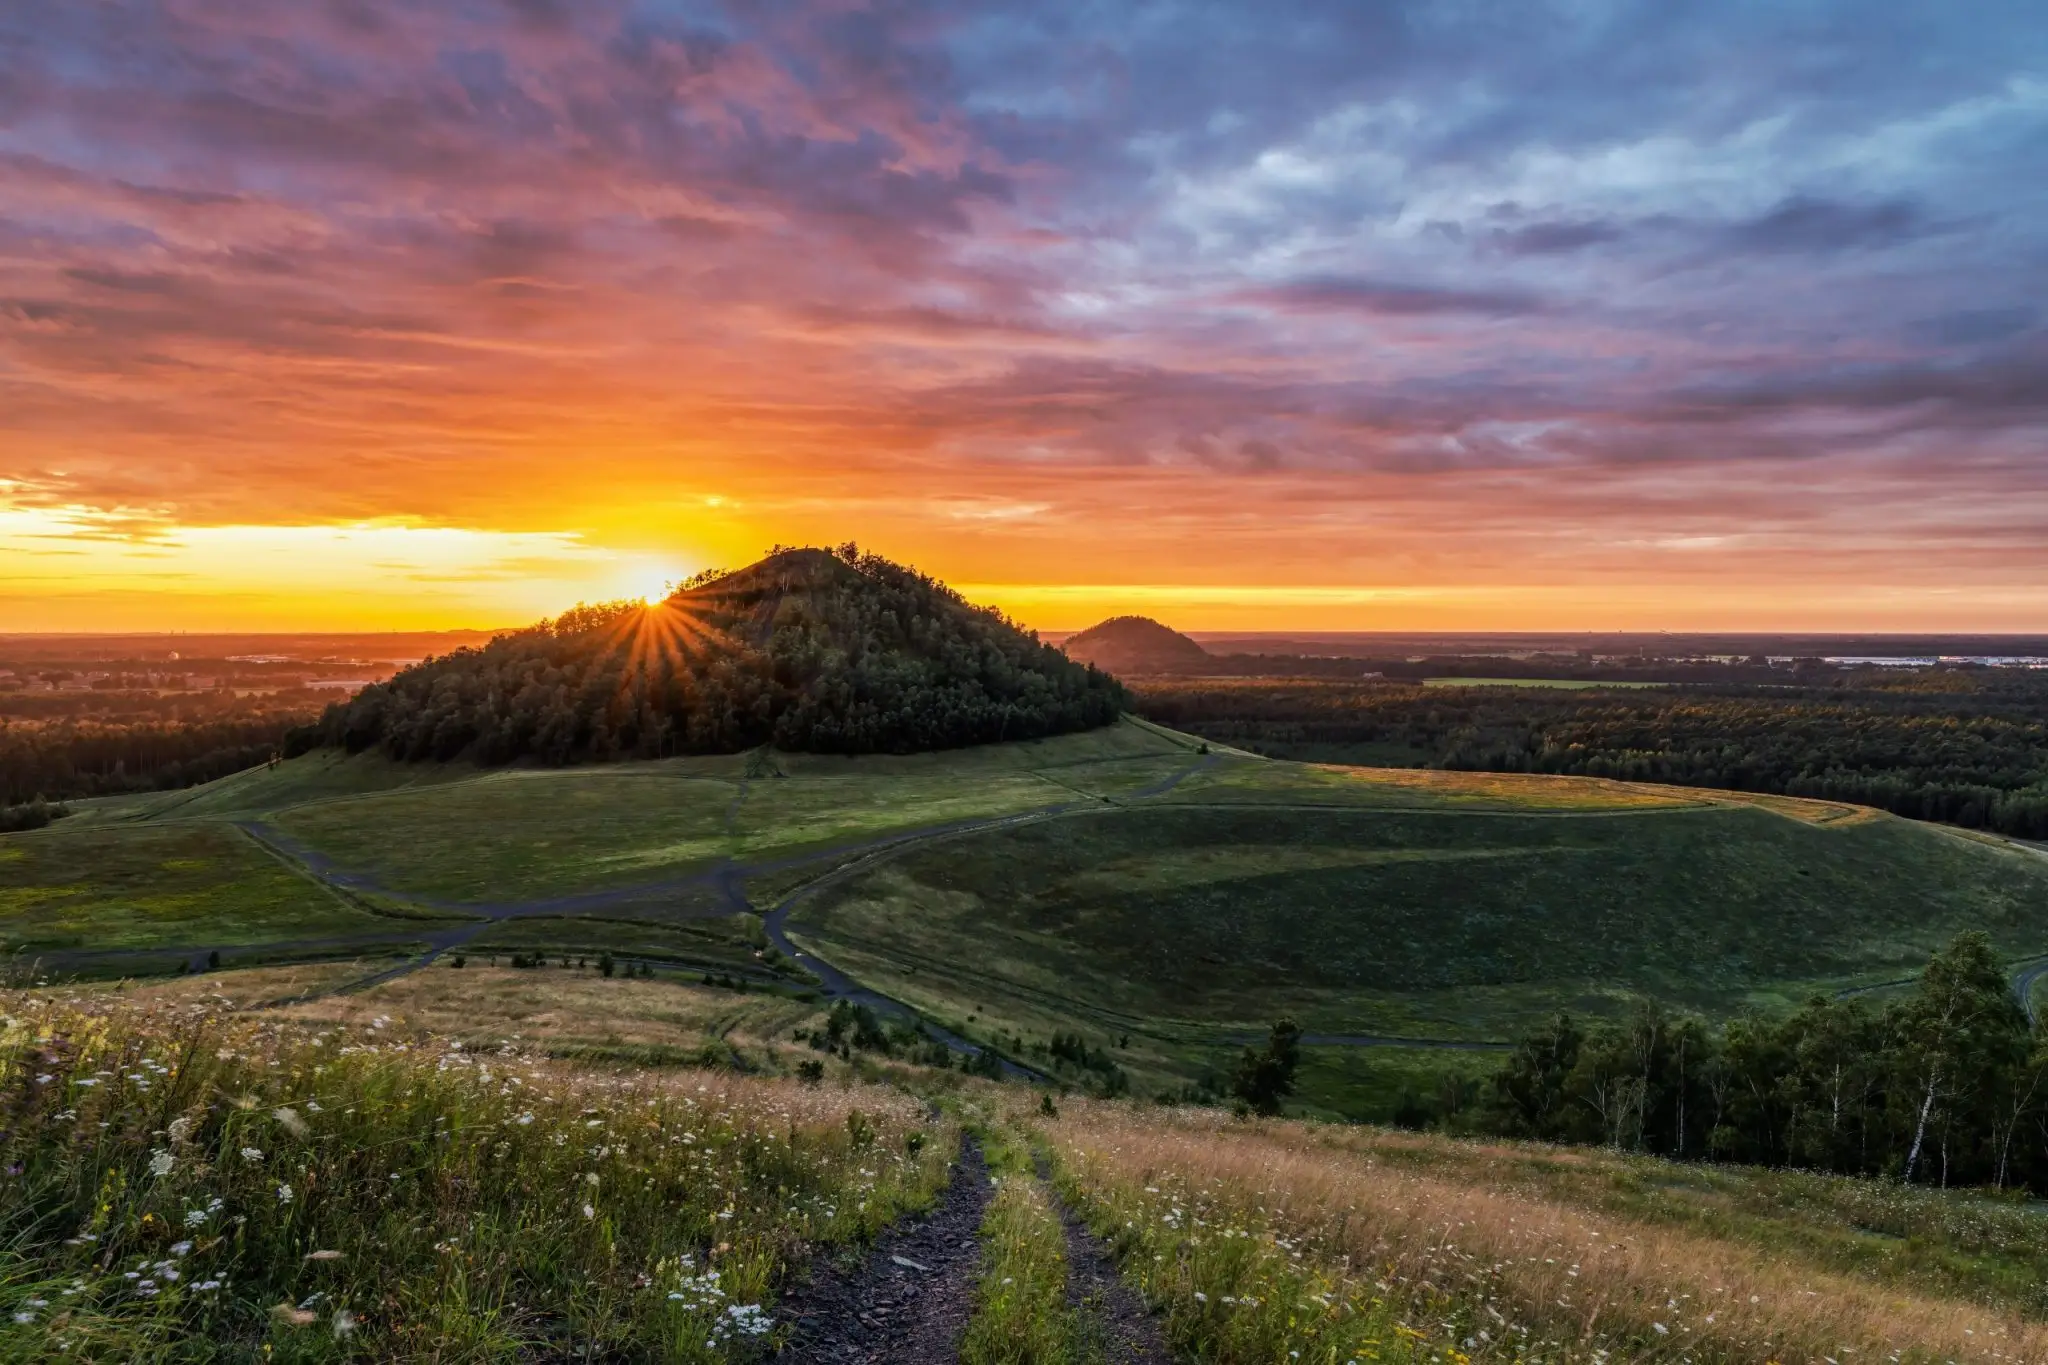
(1166, 899)
(1183, 925)
(146, 886)
(1560, 684)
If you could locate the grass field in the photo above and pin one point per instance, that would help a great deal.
(1282, 1241)
(106, 888)
(1446, 923)
(416, 1173)
(1182, 901)
(1556, 684)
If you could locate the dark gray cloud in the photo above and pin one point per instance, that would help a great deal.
(1557, 237)
(1388, 298)
(1807, 224)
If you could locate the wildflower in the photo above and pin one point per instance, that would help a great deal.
(1661, 1329)
(181, 1248)
(252, 1155)
(589, 1212)
(207, 1286)
(180, 1129)
(284, 1194)
(24, 1317)
(161, 1162)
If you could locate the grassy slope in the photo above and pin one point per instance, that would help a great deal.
(125, 872)
(519, 834)
(1468, 920)
(104, 888)
(1371, 900)
(1352, 1244)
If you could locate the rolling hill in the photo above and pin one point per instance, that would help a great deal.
(1136, 645)
(1121, 881)
(808, 650)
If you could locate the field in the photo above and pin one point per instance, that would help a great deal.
(1566, 684)
(191, 885)
(1187, 922)
(561, 1012)
(1166, 897)
(417, 1174)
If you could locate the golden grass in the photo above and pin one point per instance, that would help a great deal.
(552, 1010)
(1584, 1281)
(560, 1010)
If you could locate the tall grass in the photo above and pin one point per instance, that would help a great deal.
(1269, 1243)
(1020, 1306)
(186, 1185)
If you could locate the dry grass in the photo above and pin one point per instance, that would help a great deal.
(558, 1011)
(564, 1011)
(1539, 1277)
(180, 1177)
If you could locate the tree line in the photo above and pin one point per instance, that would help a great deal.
(839, 652)
(1964, 748)
(1946, 1085)
(108, 755)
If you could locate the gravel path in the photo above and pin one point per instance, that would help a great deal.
(908, 1302)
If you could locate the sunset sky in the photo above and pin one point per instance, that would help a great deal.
(1346, 315)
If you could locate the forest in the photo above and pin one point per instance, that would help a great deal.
(1946, 1085)
(105, 743)
(1963, 746)
(810, 650)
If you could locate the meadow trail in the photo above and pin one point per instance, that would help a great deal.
(1114, 1313)
(910, 1299)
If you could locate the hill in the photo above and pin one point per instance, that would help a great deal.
(808, 650)
(1118, 881)
(1136, 644)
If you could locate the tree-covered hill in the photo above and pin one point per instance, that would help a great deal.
(1137, 644)
(813, 650)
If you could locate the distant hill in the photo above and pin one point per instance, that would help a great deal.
(1136, 644)
(813, 650)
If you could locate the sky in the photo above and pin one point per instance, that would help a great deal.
(1323, 314)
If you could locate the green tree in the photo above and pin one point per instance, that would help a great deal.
(1528, 1093)
(1957, 1041)
(1265, 1076)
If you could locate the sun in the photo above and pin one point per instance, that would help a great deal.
(648, 583)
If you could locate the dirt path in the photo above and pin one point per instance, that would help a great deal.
(1116, 1318)
(908, 1302)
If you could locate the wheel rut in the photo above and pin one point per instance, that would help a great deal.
(909, 1300)
(1115, 1320)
